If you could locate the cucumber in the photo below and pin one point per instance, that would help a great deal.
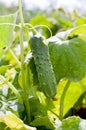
(46, 77)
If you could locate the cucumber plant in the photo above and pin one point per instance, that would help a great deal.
(41, 72)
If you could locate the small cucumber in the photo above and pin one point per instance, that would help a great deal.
(46, 77)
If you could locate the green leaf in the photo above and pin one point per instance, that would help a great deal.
(43, 121)
(63, 19)
(44, 23)
(4, 68)
(68, 58)
(81, 21)
(78, 30)
(37, 107)
(72, 95)
(2, 126)
(31, 74)
(16, 81)
(72, 123)
(39, 110)
(6, 29)
(40, 20)
(34, 71)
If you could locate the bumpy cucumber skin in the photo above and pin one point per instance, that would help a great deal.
(46, 77)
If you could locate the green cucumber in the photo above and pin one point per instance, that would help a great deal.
(46, 77)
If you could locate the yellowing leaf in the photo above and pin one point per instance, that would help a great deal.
(14, 123)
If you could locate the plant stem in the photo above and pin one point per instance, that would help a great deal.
(20, 12)
(62, 99)
(54, 113)
(15, 57)
(24, 86)
(14, 90)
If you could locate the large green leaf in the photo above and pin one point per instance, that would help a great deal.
(68, 58)
(6, 29)
(71, 123)
(72, 95)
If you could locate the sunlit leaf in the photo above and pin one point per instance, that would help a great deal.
(68, 58)
(40, 20)
(4, 68)
(72, 95)
(72, 123)
(6, 29)
(78, 30)
(14, 123)
(81, 21)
